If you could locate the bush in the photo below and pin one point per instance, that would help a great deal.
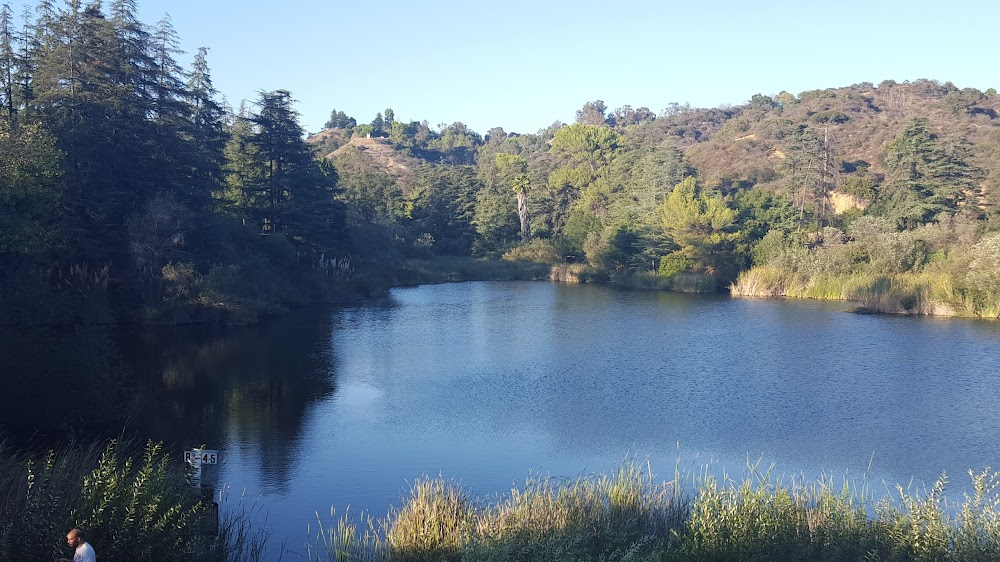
(673, 264)
(132, 503)
(536, 250)
(625, 515)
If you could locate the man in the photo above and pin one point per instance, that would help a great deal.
(84, 552)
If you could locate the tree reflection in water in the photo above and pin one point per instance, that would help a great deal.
(187, 386)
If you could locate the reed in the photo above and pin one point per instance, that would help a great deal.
(626, 515)
(923, 293)
(131, 500)
(768, 281)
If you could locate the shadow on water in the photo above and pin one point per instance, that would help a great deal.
(60, 382)
(186, 386)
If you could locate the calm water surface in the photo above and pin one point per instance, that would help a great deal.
(488, 382)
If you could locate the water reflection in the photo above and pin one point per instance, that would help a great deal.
(486, 382)
(250, 387)
(245, 387)
(60, 382)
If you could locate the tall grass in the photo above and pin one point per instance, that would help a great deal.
(625, 515)
(131, 501)
(922, 293)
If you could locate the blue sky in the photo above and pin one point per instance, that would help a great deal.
(523, 64)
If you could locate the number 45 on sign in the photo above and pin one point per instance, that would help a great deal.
(201, 456)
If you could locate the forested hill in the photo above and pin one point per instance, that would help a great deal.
(130, 194)
(899, 178)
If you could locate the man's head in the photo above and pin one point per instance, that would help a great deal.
(74, 538)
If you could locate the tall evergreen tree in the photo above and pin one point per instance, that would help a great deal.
(7, 63)
(24, 61)
(277, 183)
(240, 169)
(204, 124)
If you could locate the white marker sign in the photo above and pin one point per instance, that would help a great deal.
(201, 456)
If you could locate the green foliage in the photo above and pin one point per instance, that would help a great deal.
(693, 218)
(495, 219)
(625, 116)
(983, 277)
(30, 186)
(373, 193)
(862, 186)
(674, 263)
(831, 117)
(537, 250)
(579, 226)
(760, 100)
(803, 168)
(761, 212)
(625, 515)
(592, 113)
(929, 176)
(512, 171)
(340, 120)
(581, 143)
(773, 245)
(930, 270)
(457, 144)
(442, 205)
(614, 249)
(113, 157)
(642, 178)
(132, 503)
(963, 100)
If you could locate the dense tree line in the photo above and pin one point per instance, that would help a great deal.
(689, 198)
(125, 183)
(130, 194)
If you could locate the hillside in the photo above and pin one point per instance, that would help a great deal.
(328, 140)
(839, 132)
(380, 155)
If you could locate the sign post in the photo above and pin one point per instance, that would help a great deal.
(205, 476)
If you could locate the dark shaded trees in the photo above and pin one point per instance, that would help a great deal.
(287, 191)
(340, 120)
(442, 206)
(928, 176)
(592, 113)
(512, 170)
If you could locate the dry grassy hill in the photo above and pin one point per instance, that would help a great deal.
(751, 145)
(382, 156)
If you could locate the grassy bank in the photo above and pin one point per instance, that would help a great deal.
(917, 293)
(132, 502)
(626, 515)
(946, 269)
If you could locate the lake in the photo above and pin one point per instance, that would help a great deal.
(489, 382)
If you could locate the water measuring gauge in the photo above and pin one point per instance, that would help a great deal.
(205, 476)
(201, 456)
(205, 465)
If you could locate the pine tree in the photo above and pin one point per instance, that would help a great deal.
(274, 180)
(24, 61)
(205, 156)
(240, 170)
(7, 63)
(281, 156)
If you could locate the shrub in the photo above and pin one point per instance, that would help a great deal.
(132, 503)
(536, 250)
(625, 515)
(674, 263)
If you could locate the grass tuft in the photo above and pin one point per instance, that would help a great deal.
(625, 515)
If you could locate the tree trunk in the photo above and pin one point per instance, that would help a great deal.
(522, 213)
